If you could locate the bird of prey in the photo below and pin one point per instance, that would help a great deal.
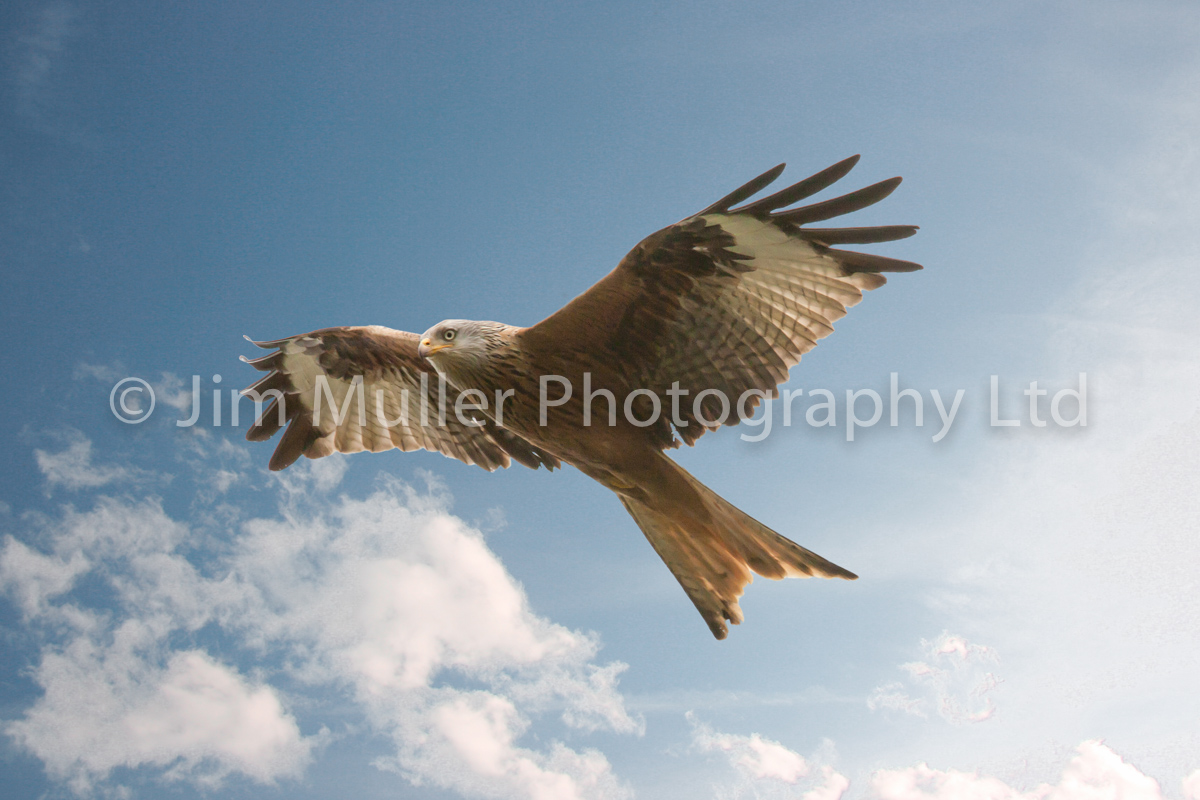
(696, 325)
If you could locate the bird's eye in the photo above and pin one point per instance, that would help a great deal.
(449, 335)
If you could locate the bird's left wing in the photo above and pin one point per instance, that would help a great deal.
(729, 298)
(351, 389)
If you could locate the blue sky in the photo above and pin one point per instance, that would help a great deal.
(177, 622)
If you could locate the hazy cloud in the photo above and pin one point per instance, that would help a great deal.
(37, 62)
(954, 682)
(1095, 773)
(105, 373)
(72, 467)
(1191, 786)
(1075, 557)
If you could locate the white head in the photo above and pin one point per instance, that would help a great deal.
(460, 347)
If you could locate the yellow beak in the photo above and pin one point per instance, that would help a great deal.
(428, 348)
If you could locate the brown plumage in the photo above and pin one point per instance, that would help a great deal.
(724, 302)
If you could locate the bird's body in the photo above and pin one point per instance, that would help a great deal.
(695, 327)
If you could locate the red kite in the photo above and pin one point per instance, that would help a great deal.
(702, 317)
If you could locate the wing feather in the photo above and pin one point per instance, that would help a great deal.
(348, 390)
(799, 191)
(730, 298)
(846, 204)
(746, 190)
(873, 235)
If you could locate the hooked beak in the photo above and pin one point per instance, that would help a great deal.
(428, 348)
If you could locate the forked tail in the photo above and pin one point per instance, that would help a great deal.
(711, 546)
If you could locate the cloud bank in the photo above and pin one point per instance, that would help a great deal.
(386, 603)
(1094, 773)
(767, 769)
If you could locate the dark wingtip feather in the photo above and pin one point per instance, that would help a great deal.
(265, 363)
(744, 191)
(869, 262)
(272, 381)
(805, 188)
(268, 424)
(295, 440)
(846, 204)
(871, 235)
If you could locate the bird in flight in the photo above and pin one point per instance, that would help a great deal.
(698, 323)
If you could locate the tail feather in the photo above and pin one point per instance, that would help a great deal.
(712, 549)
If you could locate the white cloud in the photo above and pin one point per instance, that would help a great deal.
(222, 479)
(1094, 773)
(389, 602)
(320, 475)
(33, 578)
(192, 717)
(768, 769)
(956, 681)
(73, 467)
(397, 593)
(172, 392)
(114, 694)
(467, 742)
(1191, 786)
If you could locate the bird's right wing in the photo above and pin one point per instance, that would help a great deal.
(727, 300)
(351, 389)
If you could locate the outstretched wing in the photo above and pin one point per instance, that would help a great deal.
(351, 389)
(729, 298)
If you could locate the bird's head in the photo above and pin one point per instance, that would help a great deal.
(458, 340)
